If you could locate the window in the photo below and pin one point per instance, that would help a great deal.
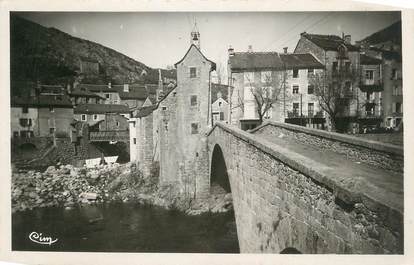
(397, 91)
(222, 116)
(15, 134)
(219, 104)
(135, 140)
(193, 72)
(83, 117)
(51, 130)
(310, 109)
(311, 89)
(25, 122)
(295, 108)
(107, 96)
(95, 117)
(266, 76)
(335, 66)
(311, 72)
(194, 128)
(295, 73)
(394, 74)
(398, 107)
(347, 67)
(248, 77)
(117, 124)
(51, 109)
(369, 95)
(164, 108)
(193, 100)
(295, 89)
(369, 74)
(25, 109)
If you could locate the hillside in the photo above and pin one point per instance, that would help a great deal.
(391, 33)
(51, 56)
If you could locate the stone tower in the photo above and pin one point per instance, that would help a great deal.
(185, 119)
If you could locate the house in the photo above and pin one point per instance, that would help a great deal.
(81, 95)
(371, 91)
(385, 46)
(94, 114)
(283, 78)
(109, 93)
(341, 61)
(220, 102)
(40, 116)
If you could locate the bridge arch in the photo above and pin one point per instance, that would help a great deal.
(290, 250)
(218, 170)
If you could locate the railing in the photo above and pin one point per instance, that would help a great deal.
(293, 114)
(105, 136)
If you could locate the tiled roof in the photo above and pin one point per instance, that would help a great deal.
(329, 42)
(97, 88)
(300, 60)
(101, 108)
(368, 60)
(215, 88)
(84, 93)
(136, 91)
(60, 101)
(145, 111)
(255, 61)
(213, 64)
(272, 61)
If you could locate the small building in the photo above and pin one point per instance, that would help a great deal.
(93, 114)
(81, 95)
(40, 116)
(220, 106)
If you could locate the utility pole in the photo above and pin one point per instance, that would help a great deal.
(301, 117)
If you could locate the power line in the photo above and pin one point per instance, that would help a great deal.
(287, 32)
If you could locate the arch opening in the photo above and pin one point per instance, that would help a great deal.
(219, 178)
(27, 147)
(290, 250)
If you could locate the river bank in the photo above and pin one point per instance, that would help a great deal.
(68, 186)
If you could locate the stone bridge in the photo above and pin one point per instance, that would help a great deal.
(300, 190)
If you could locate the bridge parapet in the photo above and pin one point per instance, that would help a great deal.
(106, 136)
(290, 193)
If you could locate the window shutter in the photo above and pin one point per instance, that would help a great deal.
(393, 107)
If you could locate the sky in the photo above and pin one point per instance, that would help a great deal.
(158, 39)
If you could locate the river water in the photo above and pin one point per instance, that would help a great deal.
(125, 227)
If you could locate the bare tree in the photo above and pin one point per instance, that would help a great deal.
(268, 92)
(334, 90)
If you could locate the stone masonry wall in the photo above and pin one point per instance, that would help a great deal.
(352, 152)
(277, 206)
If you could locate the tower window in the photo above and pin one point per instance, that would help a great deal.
(193, 100)
(135, 140)
(194, 128)
(25, 109)
(83, 117)
(193, 72)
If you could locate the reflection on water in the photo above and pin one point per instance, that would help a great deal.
(125, 228)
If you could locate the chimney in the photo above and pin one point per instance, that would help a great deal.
(250, 48)
(230, 51)
(219, 95)
(285, 49)
(347, 39)
(126, 88)
(303, 33)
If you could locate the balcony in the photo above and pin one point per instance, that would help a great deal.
(310, 114)
(370, 85)
(371, 114)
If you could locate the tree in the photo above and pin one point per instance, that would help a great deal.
(334, 90)
(267, 92)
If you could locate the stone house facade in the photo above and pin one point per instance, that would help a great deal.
(40, 116)
(93, 114)
(341, 60)
(287, 77)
